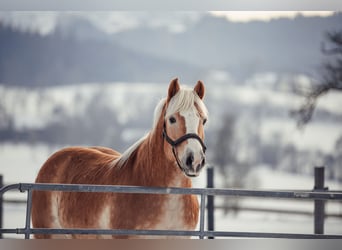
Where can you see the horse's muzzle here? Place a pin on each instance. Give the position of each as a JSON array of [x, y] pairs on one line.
[[192, 164]]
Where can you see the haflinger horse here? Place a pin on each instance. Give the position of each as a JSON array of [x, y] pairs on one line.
[[168, 156]]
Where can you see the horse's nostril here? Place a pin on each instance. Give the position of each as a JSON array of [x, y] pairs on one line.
[[190, 160], [203, 162]]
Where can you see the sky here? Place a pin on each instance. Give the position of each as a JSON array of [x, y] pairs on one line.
[[157, 5], [246, 16], [111, 22]]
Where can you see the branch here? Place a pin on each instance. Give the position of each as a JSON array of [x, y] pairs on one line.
[[331, 79], [330, 51], [335, 38], [304, 114]]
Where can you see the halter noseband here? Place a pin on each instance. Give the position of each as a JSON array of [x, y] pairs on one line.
[[175, 143]]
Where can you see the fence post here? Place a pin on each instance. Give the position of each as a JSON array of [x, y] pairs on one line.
[[319, 212], [1, 203], [210, 199]]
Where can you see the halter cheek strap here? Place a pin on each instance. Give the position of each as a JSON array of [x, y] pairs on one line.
[[175, 143]]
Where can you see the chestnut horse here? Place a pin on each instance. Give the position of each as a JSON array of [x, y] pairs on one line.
[[171, 153]]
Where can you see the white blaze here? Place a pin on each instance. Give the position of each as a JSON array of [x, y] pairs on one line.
[[191, 126]]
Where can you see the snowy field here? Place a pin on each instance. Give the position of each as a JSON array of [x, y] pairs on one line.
[[23, 165]]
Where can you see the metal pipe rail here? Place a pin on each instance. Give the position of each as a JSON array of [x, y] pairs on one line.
[[202, 192]]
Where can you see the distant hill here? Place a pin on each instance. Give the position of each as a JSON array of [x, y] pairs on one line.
[[281, 45], [59, 58], [77, 51]]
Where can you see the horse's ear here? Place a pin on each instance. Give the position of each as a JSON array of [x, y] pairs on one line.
[[173, 88], [200, 89]]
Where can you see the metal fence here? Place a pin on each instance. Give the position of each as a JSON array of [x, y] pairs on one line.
[[319, 195]]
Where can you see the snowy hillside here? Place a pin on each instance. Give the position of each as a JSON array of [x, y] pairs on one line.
[[262, 103]]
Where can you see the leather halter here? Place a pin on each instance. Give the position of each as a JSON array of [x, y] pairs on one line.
[[175, 143]]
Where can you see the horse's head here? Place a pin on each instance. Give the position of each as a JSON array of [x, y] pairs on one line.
[[183, 131]]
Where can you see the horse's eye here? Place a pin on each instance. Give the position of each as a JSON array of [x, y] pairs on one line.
[[172, 120], [204, 121]]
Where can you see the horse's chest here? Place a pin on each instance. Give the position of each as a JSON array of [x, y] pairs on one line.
[[175, 215]]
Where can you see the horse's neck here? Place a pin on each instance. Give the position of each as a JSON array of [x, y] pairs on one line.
[[150, 166], [158, 169]]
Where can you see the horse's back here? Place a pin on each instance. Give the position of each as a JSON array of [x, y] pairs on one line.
[[74, 165], [66, 164]]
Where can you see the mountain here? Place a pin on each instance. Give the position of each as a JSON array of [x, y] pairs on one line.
[[280, 45], [79, 51], [66, 57]]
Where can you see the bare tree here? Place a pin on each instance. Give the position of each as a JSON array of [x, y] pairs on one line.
[[338, 159], [224, 155], [233, 172], [330, 78]]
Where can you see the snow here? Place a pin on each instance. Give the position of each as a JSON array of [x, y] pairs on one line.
[[20, 163], [34, 108], [331, 101], [315, 136], [267, 179]]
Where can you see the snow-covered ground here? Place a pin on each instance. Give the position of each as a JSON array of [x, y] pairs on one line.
[[20, 163], [268, 179]]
